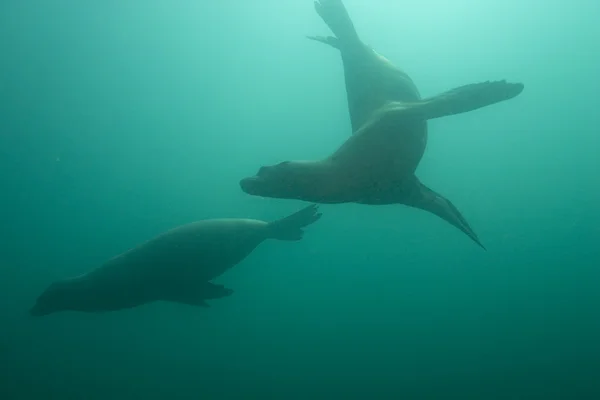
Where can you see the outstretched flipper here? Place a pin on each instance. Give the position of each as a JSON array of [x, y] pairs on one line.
[[437, 204], [459, 100]]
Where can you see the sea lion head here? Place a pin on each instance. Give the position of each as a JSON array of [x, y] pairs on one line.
[[286, 180]]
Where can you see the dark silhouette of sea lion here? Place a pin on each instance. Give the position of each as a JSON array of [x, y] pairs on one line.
[[377, 164], [176, 266]]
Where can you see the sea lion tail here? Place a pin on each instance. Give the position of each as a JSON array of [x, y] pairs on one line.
[[290, 227], [335, 15]]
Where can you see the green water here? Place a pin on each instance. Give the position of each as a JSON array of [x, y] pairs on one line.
[[119, 120]]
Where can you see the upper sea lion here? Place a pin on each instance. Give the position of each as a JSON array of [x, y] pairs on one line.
[[376, 165], [175, 266]]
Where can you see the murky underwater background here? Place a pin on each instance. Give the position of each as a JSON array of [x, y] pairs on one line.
[[119, 120]]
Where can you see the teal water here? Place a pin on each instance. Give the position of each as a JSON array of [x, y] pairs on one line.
[[120, 120]]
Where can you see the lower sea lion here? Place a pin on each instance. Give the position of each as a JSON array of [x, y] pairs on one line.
[[175, 266], [377, 164]]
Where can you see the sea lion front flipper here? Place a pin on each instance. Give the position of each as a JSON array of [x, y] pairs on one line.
[[196, 295], [460, 100], [428, 200], [185, 298]]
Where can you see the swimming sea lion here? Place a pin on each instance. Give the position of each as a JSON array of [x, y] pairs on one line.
[[377, 164], [175, 266]]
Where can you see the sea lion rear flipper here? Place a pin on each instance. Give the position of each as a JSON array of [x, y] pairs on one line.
[[335, 15], [290, 227], [461, 99], [329, 40]]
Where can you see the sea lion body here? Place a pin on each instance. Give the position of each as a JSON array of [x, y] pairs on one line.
[[175, 266], [361, 170], [199, 251], [377, 164]]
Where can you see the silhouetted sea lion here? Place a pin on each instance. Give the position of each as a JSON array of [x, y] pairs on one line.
[[377, 164], [175, 266]]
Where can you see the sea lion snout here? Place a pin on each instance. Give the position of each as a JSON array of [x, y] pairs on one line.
[[263, 181], [297, 179], [38, 311], [251, 185], [261, 186], [53, 299], [41, 307]]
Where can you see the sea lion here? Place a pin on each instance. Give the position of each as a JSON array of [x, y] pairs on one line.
[[175, 266], [377, 164]]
